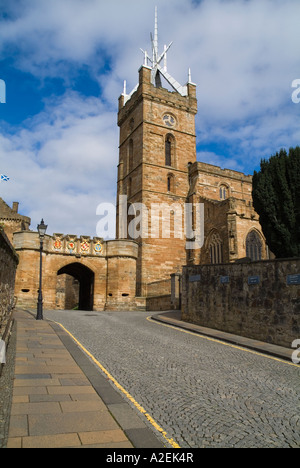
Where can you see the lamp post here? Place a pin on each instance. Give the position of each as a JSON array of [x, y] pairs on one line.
[[42, 231]]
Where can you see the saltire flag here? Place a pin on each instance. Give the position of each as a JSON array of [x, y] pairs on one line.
[[4, 178]]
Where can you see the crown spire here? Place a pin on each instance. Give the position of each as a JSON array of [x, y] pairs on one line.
[[158, 66], [157, 70]]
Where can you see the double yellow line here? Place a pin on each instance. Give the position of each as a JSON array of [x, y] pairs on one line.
[[156, 426], [122, 389], [216, 340]]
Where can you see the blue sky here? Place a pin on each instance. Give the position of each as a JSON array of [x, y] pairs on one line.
[[64, 63]]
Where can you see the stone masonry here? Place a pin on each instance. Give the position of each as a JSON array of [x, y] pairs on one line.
[[11, 221], [8, 265], [259, 300]]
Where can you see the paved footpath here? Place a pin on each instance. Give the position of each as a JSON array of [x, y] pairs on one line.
[[61, 400]]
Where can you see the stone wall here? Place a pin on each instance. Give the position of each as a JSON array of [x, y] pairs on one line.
[[8, 266], [259, 300], [159, 288], [164, 295], [159, 303]]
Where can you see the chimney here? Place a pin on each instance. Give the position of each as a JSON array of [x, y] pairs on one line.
[[15, 207]]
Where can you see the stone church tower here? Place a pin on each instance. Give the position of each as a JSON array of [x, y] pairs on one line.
[[159, 177], [157, 146]]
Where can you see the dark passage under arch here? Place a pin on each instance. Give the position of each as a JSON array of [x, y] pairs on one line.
[[85, 278]]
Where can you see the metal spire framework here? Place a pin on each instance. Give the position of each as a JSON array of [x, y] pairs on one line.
[[157, 69]]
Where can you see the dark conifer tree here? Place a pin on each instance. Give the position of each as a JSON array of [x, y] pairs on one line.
[[276, 199]]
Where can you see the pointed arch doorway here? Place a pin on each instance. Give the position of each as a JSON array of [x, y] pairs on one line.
[[75, 289]]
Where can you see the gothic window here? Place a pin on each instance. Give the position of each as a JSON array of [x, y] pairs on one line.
[[215, 249], [130, 156], [170, 183], [129, 187], [169, 150], [253, 246], [223, 192]]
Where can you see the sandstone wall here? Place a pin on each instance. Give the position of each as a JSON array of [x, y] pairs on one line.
[[8, 265], [259, 300]]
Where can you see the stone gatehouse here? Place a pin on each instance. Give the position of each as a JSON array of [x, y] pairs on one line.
[[104, 272]]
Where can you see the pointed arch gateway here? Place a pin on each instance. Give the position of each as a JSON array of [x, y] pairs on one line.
[[76, 287]]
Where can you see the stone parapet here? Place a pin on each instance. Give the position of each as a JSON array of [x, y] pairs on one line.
[[61, 244]]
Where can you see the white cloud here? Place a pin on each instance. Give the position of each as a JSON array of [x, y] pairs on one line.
[[64, 165]]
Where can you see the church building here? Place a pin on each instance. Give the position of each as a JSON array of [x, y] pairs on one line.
[[158, 169]]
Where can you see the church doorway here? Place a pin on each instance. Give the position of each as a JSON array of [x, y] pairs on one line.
[[75, 287]]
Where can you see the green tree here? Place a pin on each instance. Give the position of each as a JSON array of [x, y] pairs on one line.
[[276, 199]]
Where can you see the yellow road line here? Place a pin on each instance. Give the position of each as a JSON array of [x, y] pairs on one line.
[[215, 340], [122, 389]]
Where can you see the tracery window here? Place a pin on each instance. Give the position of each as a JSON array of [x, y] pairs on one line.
[[223, 192], [216, 249], [254, 246]]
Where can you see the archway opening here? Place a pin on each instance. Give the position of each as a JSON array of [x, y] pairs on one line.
[[75, 287]]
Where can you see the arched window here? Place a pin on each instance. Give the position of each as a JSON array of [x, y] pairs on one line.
[[169, 150], [170, 183], [215, 249], [223, 192], [130, 156], [254, 246], [129, 187]]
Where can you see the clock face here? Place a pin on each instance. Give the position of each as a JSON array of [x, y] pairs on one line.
[[169, 120]]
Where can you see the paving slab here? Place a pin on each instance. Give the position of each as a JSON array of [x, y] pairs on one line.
[[57, 396], [47, 411]]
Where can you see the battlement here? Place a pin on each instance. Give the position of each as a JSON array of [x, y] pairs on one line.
[[73, 245]]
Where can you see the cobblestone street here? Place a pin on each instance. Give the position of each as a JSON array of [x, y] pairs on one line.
[[203, 393]]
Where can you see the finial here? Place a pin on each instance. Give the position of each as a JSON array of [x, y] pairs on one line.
[[190, 76], [124, 89]]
